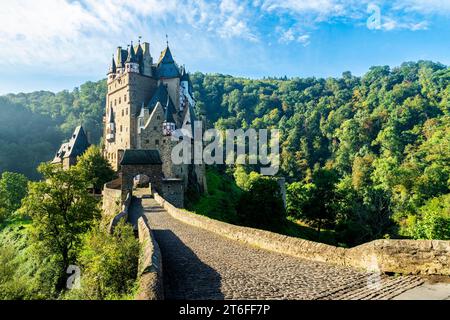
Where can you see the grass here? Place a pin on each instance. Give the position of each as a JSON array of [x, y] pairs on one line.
[[298, 229], [221, 200]]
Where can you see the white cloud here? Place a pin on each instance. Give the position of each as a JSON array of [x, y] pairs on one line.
[[73, 36], [304, 39], [424, 6], [290, 35], [395, 14], [325, 7]]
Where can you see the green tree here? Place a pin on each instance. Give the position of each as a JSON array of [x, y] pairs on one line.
[[94, 168], [315, 203], [13, 188], [262, 205], [433, 220], [61, 211]]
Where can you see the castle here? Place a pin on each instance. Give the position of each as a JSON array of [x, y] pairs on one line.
[[147, 105], [69, 152]]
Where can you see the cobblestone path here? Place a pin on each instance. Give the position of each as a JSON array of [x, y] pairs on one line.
[[198, 264]]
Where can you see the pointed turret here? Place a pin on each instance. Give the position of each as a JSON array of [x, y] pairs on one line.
[[110, 127], [169, 121], [132, 64], [112, 70], [166, 65], [112, 67], [131, 54]]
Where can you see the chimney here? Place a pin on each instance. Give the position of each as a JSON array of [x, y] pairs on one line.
[[146, 47], [119, 57]]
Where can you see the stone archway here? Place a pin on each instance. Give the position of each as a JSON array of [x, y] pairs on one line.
[[141, 162]]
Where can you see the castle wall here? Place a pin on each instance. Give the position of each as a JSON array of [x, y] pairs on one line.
[[153, 171], [125, 96], [111, 202], [173, 192]]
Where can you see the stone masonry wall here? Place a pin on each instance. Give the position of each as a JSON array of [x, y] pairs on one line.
[[398, 256], [150, 265], [112, 202]]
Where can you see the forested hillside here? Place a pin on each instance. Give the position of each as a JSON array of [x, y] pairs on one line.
[[366, 156], [33, 125]]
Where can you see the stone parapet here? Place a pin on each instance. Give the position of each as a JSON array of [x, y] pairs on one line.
[[150, 265], [386, 256]]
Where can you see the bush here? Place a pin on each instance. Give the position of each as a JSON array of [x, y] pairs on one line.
[[109, 264], [433, 221]]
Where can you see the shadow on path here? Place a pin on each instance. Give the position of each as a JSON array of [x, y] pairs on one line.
[[185, 275]]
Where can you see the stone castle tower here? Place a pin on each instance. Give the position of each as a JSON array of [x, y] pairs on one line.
[[146, 103]]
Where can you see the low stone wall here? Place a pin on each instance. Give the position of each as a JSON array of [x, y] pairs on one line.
[[122, 215], [150, 265], [111, 202], [431, 257], [398, 256]]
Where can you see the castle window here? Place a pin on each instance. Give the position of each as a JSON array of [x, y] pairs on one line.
[[157, 142], [125, 98], [120, 128], [115, 102], [147, 141], [155, 128], [123, 113], [120, 100], [157, 118], [126, 110]]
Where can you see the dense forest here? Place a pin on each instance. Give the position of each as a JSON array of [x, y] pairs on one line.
[[33, 125], [364, 157]]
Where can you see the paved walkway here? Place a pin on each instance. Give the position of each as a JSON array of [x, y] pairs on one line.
[[198, 264], [427, 291]]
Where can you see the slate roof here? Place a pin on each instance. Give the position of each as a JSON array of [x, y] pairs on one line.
[[166, 65], [112, 68], [76, 146], [161, 95], [140, 156], [168, 113], [110, 115], [131, 55]]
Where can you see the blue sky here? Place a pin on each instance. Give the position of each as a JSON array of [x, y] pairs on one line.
[[59, 44]]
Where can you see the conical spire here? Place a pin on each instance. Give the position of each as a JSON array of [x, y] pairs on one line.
[[131, 54], [166, 56], [112, 67], [166, 65], [168, 117]]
